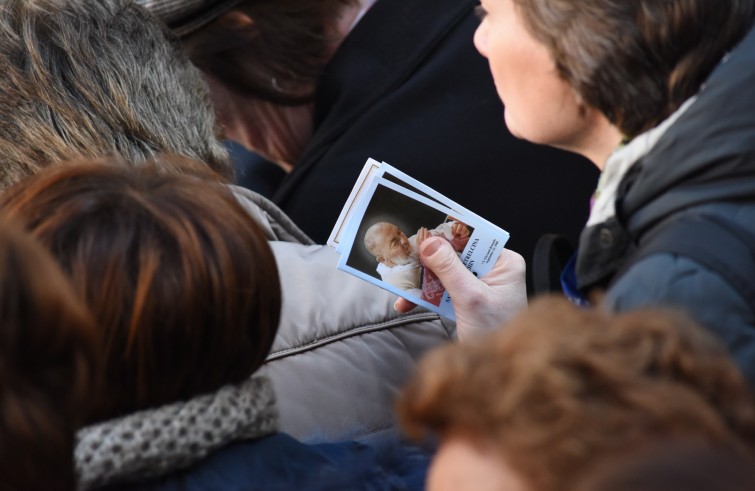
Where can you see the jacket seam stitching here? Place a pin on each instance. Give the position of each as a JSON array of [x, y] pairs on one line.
[[381, 326]]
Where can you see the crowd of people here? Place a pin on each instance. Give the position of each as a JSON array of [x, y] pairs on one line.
[[171, 321]]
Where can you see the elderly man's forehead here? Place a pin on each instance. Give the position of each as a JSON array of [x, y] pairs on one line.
[[390, 230]]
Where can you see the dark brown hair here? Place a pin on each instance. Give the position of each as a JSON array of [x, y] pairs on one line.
[[47, 366], [278, 57], [558, 387], [637, 61], [674, 465], [177, 274], [267, 56]]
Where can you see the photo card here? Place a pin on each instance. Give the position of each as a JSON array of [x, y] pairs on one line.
[[376, 170], [383, 224]]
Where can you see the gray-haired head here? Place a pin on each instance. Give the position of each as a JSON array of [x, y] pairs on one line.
[[185, 16], [94, 79]]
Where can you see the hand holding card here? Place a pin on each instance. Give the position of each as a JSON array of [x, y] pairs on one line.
[[479, 304], [390, 218]]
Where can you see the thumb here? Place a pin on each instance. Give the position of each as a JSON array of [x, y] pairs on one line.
[[439, 256]]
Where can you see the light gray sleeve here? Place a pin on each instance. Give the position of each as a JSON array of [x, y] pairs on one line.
[[342, 352], [275, 224]]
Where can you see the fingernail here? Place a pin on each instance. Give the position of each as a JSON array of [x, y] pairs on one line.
[[431, 247], [395, 305]]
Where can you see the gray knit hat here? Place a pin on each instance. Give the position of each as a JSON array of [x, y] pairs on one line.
[[185, 16]]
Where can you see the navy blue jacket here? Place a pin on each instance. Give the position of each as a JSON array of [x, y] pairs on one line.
[[704, 164], [281, 463]]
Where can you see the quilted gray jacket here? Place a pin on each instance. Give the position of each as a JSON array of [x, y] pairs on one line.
[[342, 352]]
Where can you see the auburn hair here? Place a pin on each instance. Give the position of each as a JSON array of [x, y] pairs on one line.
[[178, 276], [559, 387]]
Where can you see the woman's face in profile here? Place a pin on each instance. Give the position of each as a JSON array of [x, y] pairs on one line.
[[539, 105]]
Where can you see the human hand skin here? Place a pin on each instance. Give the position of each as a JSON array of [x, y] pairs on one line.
[[422, 234], [480, 304]]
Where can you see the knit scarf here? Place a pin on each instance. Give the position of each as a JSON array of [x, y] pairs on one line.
[[159, 441]]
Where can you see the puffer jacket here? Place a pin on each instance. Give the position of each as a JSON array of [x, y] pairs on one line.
[[342, 352], [699, 162]]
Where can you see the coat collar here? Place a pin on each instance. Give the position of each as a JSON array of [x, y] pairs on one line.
[[705, 153], [623, 159]]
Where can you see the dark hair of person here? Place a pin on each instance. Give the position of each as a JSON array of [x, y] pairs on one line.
[[178, 276], [278, 57], [559, 387], [47, 366], [674, 465], [637, 61], [97, 79]]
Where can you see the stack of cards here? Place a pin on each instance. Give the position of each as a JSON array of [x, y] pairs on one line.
[[386, 218]]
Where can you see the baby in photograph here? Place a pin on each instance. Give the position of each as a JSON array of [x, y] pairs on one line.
[[398, 256]]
